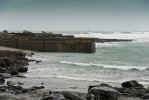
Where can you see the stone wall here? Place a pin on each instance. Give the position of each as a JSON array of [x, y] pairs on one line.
[[86, 45]]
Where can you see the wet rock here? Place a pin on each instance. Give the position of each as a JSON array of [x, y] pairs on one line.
[[103, 92], [2, 69], [20, 83], [14, 72], [100, 85], [2, 80], [13, 62], [23, 69], [146, 96], [134, 91], [38, 61], [131, 84], [54, 96], [5, 75], [7, 97], [37, 87], [70, 96], [127, 97], [11, 83]]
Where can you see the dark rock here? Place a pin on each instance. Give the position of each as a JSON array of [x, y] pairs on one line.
[[37, 87], [13, 62], [100, 85], [23, 69], [131, 84], [2, 80], [146, 96], [2, 69], [14, 72], [48, 98], [38, 61], [137, 92], [104, 92], [71, 96], [7, 97], [54, 96]]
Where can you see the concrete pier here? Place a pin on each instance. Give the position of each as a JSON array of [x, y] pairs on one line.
[[62, 44]]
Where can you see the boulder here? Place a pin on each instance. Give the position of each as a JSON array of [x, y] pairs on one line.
[[103, 92], [70, 96], [131, 84]]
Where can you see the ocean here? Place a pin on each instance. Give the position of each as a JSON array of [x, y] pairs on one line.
[[113, 62]]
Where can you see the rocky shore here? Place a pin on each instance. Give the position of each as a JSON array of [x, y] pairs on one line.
[[14, 63]]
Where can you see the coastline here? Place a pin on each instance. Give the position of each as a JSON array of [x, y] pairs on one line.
[[18, 87], [59, 84]]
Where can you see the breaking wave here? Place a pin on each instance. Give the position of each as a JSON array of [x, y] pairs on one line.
[[103, 66], [136, 36]]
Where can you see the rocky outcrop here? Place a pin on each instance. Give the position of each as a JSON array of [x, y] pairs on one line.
[[102, 92], [12, 62], [130, 90], [131, 84]]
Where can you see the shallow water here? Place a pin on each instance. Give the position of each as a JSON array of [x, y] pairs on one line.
[[112, 62]]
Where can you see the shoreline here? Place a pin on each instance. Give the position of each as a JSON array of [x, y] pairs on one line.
[[18, 87]]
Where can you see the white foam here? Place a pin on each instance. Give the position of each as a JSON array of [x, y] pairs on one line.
[[138, 36], [107, 44], [105, 66]]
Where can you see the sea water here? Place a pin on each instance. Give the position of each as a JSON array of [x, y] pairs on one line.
[[112, 62]]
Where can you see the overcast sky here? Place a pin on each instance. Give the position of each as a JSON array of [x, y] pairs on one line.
[[104, 15]]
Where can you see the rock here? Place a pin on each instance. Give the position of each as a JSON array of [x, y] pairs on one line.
[[137, 92], [14, 72], [2, 69], [71, 96], [38, 61], [103, 93], [20, 83], [13, 62], [100, 85], [37, 87], [7, 97], [146, 96], [11, 83], [131, 84], [2, 80], [127, 97], [54, 96], [5, 75], [23, 69]]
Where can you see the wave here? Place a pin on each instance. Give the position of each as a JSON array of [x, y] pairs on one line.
[[137, 36], [111, 44], [144, 81], [104, 66]]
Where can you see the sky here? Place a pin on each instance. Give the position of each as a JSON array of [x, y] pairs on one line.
[[75, 15]]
